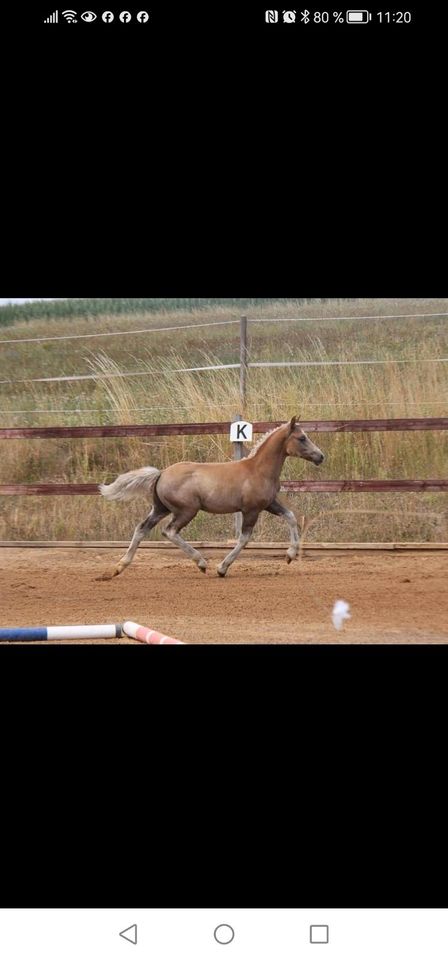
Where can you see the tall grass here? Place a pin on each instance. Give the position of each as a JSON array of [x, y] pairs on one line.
[[322, 392]]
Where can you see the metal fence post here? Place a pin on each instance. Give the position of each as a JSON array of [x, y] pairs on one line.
[[244, 361], [238, 455]]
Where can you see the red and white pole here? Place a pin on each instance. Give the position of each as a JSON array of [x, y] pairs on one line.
[[145, 634]]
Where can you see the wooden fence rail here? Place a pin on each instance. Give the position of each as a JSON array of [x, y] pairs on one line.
[[261, 426], [288, 486], [198, 429]]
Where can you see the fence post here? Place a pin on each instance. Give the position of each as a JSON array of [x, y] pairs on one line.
[[238, 455], [238, 447], [244, 360]]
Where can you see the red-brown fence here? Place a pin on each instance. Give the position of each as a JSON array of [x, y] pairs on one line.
[[196, 429], [301, 486]]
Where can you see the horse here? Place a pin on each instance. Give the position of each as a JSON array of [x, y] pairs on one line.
[[247, 486]]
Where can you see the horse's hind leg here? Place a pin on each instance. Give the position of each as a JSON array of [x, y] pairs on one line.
[[249, 521], [279, 510], [171, 531], [158, 512]]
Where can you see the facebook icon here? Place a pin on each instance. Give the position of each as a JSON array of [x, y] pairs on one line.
[[108, 16]]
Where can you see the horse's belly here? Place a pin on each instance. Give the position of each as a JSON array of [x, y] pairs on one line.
[[220, 497], [219, 500]]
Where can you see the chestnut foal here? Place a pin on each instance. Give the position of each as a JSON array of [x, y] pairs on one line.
[[249, 485]]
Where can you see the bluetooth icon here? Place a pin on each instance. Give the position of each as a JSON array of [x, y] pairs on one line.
[[305, 15]]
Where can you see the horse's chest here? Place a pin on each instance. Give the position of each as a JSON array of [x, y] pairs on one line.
[[264, 493]]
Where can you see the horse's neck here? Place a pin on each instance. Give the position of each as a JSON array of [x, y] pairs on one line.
[[271, 455]]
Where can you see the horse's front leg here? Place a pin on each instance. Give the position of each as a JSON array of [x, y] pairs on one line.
[[279, 510], [249, 521]]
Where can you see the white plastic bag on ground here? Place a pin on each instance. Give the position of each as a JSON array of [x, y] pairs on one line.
[[340, 613]]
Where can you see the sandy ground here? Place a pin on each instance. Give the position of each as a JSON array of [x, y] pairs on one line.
[[393, 598]]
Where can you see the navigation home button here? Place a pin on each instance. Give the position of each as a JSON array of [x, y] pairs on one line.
[[130, 933], [224, 933]]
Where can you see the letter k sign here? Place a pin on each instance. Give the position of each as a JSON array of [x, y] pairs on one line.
[[240, 430]]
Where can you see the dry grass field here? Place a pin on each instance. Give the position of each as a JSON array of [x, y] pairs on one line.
[[330, 331]]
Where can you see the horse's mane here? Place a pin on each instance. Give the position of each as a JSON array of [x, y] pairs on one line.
[[262, 440]]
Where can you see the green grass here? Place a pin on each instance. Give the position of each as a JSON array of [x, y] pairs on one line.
[[91, 308]]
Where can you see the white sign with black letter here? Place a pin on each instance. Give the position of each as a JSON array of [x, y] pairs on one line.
[[240, 430]]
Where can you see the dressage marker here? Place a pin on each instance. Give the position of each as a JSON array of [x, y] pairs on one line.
[[97, 631]]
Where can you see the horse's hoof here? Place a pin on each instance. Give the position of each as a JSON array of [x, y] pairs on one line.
[[109, 576], [221, 573], [202, 566]]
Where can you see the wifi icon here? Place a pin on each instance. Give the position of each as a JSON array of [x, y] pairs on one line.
[[70, 16]]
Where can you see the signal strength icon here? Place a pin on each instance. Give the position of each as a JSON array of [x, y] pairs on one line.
[[70, 16], [53, 18]]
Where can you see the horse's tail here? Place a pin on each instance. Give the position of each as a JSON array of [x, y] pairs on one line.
[[133, 484]]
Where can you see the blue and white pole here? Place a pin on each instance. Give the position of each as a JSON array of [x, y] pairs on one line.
[[98, 631]]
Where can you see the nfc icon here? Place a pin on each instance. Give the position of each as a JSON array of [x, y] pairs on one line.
[[271, 16]]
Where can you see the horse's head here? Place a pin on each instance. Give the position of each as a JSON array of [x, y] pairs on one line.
[[299, 445]]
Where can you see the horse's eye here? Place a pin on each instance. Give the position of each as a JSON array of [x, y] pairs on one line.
[[302, 439]]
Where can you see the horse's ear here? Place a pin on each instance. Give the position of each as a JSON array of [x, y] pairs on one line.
[[292, 424]]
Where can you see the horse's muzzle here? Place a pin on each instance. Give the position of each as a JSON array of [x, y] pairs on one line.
[[319, 460]]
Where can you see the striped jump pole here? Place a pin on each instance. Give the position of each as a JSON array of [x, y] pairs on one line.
[[145, 635], [97, 631]]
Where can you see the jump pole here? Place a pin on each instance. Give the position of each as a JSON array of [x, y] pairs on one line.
[[97, 631], [145, 635]]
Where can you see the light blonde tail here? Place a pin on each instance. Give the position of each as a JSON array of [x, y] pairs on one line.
[[133, 484]]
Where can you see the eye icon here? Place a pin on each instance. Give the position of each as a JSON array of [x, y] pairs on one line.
[[88, 16]]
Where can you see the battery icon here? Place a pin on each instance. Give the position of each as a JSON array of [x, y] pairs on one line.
[[358, 16]]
